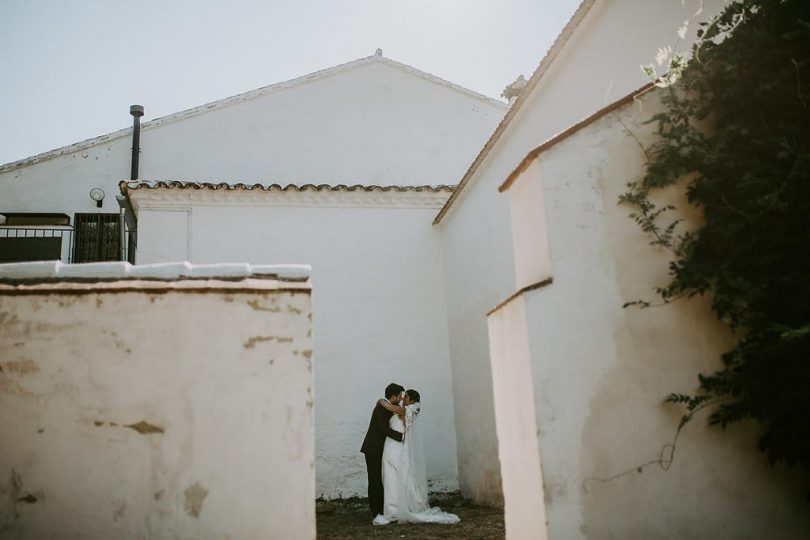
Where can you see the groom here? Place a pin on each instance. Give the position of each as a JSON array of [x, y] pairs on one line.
[[372, 447]]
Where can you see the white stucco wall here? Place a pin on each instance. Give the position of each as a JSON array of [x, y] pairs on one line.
[[372, 121], [374, 124], [599, 64], [379, 309], [477, 251], [528, 211], [148, 411], [516, 422], [601, 372]]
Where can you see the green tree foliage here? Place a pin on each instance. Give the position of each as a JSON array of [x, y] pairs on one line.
[[735, 135]]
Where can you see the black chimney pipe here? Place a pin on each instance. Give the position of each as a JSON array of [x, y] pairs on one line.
[[136, 111]]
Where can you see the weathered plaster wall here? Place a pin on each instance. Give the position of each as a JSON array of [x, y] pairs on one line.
[[601, 372], [599, 64], [379, 305], [157, 414], [374, 123]]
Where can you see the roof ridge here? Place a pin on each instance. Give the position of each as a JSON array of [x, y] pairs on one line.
[[440, 81], [239, 98], [548, 59], [185, 113]]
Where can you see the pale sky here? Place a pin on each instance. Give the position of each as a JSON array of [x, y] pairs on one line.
[[71, 69]]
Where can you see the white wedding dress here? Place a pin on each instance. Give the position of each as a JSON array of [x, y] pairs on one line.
[[404, 476]]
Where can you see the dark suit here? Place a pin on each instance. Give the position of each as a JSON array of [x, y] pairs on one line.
[[372, 447]]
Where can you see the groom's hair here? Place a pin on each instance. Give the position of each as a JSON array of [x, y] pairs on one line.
[[413, 394], [393, 389]]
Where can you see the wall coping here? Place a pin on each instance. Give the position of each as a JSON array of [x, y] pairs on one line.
[[55, 272]]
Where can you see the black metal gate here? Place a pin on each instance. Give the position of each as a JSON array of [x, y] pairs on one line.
[[97, 237]]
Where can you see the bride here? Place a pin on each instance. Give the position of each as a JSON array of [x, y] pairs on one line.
[[403, 468]]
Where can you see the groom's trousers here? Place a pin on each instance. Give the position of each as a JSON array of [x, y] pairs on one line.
[[375, 485]]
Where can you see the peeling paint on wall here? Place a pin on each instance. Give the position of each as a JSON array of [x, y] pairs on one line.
[[144, 428], [22, 367], [255, 305], [250, 343], [124, 430], [195, 496]]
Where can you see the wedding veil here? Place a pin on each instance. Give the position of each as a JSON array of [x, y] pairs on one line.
[[413, 486], [416, 487]]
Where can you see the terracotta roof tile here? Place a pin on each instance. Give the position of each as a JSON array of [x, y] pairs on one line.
[[128, 185]]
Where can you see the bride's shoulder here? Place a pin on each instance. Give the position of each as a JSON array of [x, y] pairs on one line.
[[414, 407]]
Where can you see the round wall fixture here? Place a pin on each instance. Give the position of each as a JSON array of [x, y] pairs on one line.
[[97, 194]]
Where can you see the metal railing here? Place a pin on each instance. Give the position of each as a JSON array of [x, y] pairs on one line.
[[49, 243], [36, 243]]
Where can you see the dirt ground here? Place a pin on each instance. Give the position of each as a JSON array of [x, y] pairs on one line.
[[349, 518]]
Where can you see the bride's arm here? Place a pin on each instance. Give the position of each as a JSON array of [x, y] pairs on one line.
[[396, 409]]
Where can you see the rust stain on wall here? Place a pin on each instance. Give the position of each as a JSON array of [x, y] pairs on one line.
[[249, 344], [144, 428], [256, 306], [195, 496], [23, 367], [16, 494]]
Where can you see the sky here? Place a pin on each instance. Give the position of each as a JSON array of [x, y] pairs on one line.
[[70, 70]]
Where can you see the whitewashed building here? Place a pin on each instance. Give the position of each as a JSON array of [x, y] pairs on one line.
[[579, 381], [372, 121], [504, 309], [318, 148]]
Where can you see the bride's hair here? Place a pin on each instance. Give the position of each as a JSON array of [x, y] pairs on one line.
[[413, 394]]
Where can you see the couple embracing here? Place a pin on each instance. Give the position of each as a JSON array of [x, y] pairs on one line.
[[395, 461]]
